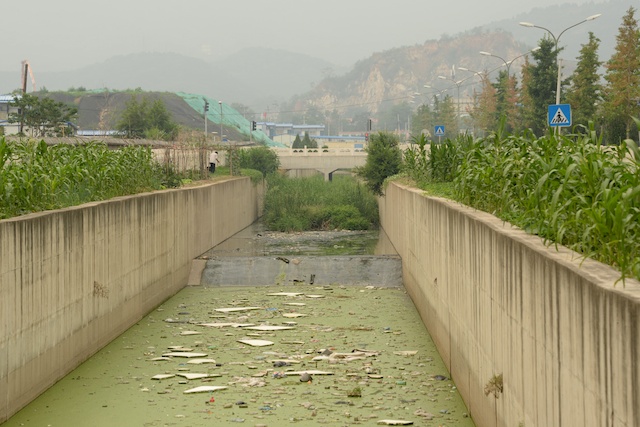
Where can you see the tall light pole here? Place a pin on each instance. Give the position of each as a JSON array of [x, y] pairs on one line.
[[457, 83], [508, 63], [556, 40]]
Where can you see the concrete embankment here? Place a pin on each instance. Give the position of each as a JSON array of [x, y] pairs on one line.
[[71, 280], [381, 271], [532, 335]]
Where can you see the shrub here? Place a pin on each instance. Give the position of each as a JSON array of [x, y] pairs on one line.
[[384, 159]]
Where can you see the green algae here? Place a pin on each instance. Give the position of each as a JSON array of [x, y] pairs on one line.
[[115, 387]]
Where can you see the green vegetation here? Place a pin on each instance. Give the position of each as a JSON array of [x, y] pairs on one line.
[[36, 177], [145, 120], [314, 204], [262, 159], [384, 159], [304, 142], [43, 116], [569, 190]]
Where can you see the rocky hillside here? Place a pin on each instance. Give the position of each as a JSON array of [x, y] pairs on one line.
[[397, 74]]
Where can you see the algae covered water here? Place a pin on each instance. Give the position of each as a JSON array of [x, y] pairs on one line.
[[262, 356]]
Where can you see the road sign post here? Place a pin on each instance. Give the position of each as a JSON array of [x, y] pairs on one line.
[[559, 115], [439, 132]]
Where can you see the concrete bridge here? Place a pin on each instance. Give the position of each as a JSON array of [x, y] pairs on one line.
[[326, 161]]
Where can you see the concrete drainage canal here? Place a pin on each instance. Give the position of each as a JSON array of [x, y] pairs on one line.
[[275, 329]]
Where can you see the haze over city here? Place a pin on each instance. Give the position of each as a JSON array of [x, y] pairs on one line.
[[67, 34]]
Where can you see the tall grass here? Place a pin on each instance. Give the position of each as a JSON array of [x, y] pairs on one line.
[[36, 177], [314, 204], [570, 190]]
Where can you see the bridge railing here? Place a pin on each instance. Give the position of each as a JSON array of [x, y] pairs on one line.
[[320, 152]]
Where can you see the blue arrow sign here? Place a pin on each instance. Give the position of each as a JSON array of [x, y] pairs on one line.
[[559, 115], [439, 130]]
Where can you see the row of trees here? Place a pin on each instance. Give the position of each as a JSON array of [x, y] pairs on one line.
[[610, 105], [41, 116]]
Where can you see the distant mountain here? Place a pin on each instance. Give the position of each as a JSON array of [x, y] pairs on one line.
[[398, 75], [255, 77]]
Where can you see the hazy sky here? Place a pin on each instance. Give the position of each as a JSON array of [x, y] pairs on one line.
[[67, 34]]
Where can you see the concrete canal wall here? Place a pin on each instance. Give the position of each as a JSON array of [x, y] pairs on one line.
[[532, 336], [71, 280]]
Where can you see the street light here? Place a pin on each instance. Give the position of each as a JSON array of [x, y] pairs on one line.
[[508, 63], [457, 83], [556, 40]]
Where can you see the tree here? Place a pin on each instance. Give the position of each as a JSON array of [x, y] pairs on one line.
[[446, 115], [484, 111], [525, 112], [622, 91], [263, 159], [542, 86], [297, 143], [384, 159], [43, 116], [585, 91], [422, 120], [308, 142], [139, 120]]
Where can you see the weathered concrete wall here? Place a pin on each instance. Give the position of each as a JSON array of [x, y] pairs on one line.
[[71, 280], [496, 301], [371, 270]]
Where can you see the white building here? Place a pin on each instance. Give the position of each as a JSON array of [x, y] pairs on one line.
[[6, 109]]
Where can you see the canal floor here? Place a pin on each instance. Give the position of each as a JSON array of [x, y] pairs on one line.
[[262, 356]]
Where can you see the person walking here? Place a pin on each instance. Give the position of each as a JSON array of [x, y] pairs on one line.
[[213, 161]]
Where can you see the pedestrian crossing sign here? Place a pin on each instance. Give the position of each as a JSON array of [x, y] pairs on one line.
[[439, 130], [559, 115]]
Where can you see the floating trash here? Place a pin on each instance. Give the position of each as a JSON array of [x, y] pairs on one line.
[[256, 343], [205, 388], [200, 361], [233, 309], [395, 422], [162, 376], [269, 328], [406, 353], [184, 354], [284, 294], [226, 324]]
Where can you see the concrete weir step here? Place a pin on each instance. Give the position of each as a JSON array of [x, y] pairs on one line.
[[383, 271]]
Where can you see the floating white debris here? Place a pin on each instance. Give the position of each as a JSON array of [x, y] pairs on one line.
[[256, 343], [298, 304], [193, 376], [314, 296], [375, 376], [284, 361], [232, 309], [293, 315], [226, 324], [311, 372], [395, 422], [179, 348], [162, 376], [285, 294], [184, 354], [406, 353], [200, 361], [190, 333], [269, 328], [204, 389], [161, 359]]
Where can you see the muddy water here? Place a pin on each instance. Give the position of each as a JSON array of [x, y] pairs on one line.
[[374, 358]]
